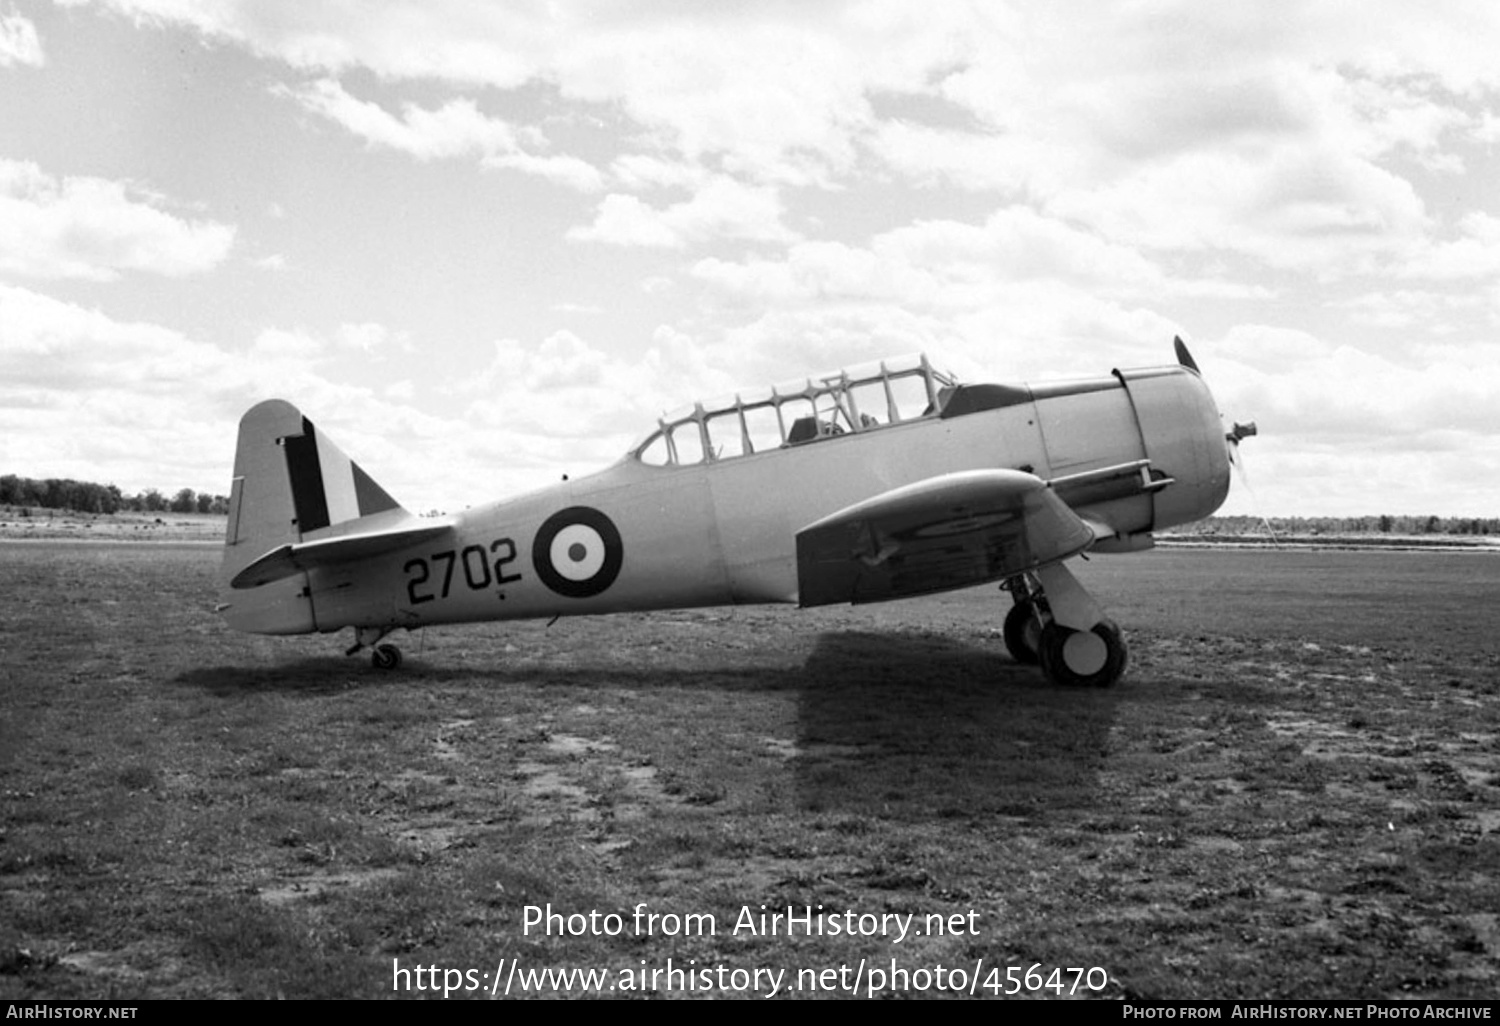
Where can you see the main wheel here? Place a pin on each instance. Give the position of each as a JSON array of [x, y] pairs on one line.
[[1023, 632], [385, 657], [1093, 659]]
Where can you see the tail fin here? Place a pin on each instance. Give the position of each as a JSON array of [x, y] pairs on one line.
[[291, 483]]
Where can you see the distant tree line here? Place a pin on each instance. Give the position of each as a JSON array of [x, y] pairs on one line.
[[87, 497], [1386, 524]]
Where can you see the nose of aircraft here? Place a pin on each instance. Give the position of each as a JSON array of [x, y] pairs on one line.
[[1236, 434], [1184, 438]]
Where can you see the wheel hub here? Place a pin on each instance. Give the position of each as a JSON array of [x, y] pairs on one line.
[[1085, 653]]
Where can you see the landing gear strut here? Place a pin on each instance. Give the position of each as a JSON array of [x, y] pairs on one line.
[[382, 657], [1023, 628], [1057, 624]]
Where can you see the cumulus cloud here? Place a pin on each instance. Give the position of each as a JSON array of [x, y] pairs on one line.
[[308, 347], [954, 268], [1473, 254], [1261, 132], [1041, 190], [93, 228], [1268, 134], [19, 43], [720, 208], [280, 343], [567, 402], [463, 40], [81, 390], [52, 344], [1344, 428], [1412, 399], [1004, 162], [456, 129], [778, 94], [1293, 208]]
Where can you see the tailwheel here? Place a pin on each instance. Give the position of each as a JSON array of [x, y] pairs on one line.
[[385, 657], [1093, 658], [1023, 631]]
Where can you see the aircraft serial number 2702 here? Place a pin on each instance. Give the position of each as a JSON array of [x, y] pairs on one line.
[[423, 584], [876, 483]]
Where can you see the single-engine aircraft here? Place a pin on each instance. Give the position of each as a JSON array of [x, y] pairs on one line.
[[875, 483]]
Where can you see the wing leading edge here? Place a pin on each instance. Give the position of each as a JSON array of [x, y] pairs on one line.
[[950, 531]]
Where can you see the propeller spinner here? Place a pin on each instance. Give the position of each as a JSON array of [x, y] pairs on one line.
[[1234, 437]]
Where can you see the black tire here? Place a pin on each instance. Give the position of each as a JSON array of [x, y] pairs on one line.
[[1095, 671], [1023, 632], [385, 657]]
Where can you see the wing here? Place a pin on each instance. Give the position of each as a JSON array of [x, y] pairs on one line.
[[950, 531], [286, 560]]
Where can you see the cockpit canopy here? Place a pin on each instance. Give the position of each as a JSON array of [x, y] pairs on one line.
[[869, 397]]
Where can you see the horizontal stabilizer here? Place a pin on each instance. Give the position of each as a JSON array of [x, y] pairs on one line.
[[287, 560], [950, 531]]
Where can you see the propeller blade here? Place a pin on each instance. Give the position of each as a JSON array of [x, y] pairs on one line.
[[1237, 461], [1232, 440], [1183, 356]]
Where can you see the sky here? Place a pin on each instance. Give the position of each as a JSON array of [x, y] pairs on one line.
[[485, 244]]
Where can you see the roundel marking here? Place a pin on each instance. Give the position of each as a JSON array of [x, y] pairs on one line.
[[578, 552]]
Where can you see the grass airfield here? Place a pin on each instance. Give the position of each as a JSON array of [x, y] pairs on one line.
[[1295, 792]]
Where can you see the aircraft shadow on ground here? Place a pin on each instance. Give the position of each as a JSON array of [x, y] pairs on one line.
[[914, 726], [316, 675], [895, 724]]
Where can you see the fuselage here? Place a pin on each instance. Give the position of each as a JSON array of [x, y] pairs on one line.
[[718, 531]]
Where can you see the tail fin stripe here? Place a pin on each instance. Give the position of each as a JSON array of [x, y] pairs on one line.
[[338, 482], [306, 473], [370, 497]]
